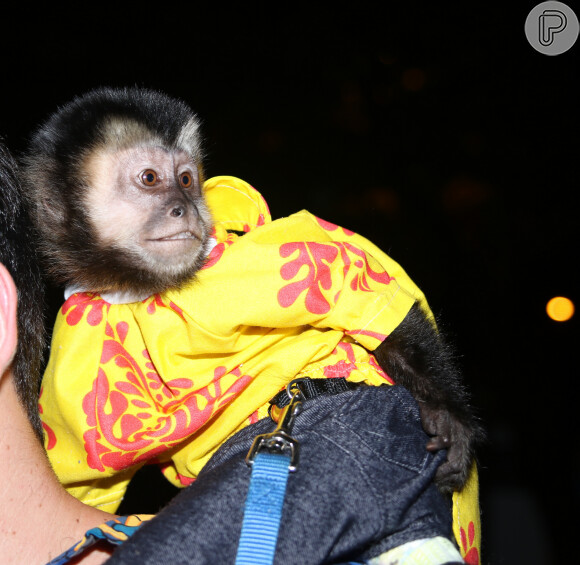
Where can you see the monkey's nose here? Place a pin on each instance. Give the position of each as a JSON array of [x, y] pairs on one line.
[[177, 212]]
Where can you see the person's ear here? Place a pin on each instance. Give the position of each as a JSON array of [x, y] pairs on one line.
[[8, 327]]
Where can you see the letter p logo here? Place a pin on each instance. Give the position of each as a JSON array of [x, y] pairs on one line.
[[552, 28], [551, 22]]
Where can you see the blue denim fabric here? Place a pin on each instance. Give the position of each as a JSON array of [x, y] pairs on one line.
[[363, 486]]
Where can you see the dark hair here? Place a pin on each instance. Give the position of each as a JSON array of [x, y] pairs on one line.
[[18, 255]]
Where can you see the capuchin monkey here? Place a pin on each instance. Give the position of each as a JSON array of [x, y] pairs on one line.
[[114, 181]]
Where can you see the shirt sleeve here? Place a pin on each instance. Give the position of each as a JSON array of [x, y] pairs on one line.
[[301, 271]]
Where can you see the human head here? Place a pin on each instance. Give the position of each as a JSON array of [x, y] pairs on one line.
[[18, 255]]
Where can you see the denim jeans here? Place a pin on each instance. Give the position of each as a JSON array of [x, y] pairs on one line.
[[363, 486]]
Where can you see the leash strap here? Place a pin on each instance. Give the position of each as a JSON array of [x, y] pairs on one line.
[[272, 456], [311, 388], [263, 511]]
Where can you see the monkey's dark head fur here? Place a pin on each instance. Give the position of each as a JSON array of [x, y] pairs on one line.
[[131, 127]]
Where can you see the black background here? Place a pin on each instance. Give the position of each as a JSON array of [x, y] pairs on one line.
[[435, 130]]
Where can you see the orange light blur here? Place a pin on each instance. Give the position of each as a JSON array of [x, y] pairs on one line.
[[560, 308]]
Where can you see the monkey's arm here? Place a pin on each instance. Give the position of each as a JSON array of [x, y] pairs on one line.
[[417, 357]]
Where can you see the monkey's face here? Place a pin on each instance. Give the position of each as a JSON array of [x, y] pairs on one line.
[[147, 204]]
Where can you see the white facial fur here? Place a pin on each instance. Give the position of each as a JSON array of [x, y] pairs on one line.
[[165, 224]]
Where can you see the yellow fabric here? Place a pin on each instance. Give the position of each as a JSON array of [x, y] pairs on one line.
[[235, 205], [466, 519], [170, 378]]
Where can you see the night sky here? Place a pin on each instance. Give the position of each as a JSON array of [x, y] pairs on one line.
[[435, 130]]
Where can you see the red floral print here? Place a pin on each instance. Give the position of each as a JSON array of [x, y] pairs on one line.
[[342, 368], [217, 252], [135, 419], [185, 481], [316, 257], [378, 369], [319, 259], [380, 337], [328, 226], [471, 554], [360, 282], [74, 308], [156, 301]]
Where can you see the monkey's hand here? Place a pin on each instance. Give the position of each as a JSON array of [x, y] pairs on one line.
[[417, 357], [448, 432]]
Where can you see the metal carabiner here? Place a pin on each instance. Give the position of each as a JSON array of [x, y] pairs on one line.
[[280, 441]]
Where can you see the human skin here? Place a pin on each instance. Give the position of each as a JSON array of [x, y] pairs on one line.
[[38, 518]]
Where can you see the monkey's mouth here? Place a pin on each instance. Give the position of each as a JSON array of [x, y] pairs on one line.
[[180, 235]]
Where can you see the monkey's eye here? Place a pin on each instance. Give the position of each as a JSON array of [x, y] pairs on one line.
[[185, 180], [149, 177]]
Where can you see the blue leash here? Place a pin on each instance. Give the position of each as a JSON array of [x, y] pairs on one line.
[[263, 510], [272, 457]]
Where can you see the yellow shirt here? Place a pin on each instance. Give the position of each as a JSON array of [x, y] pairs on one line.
[[171, 377]]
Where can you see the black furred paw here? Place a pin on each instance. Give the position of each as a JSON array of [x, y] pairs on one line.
[[459, 438]]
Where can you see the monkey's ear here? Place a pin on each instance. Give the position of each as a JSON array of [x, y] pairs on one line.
[[8, 332]]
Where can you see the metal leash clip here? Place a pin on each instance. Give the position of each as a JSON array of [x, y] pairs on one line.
[[280, 441]]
